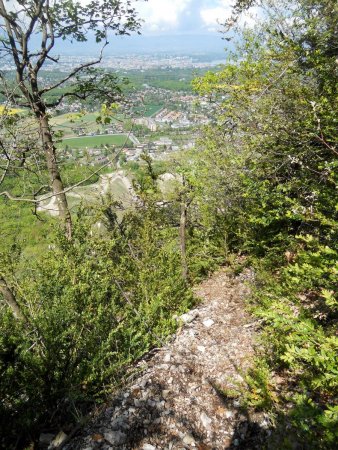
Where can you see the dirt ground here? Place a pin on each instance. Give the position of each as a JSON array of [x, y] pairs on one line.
[[177, 400]]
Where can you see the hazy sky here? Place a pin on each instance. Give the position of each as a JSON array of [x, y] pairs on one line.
[[183, 16], [165, 18], [179, 16]]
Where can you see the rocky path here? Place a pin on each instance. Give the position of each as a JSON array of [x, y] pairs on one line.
[[176, 402]]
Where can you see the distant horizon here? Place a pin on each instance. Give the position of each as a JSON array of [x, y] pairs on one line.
[[180, 44], [202, 48]]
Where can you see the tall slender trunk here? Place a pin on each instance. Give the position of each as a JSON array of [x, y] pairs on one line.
[[183, 224], [54, 173], [10, 299]]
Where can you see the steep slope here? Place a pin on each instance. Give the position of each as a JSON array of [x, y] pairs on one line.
[[176, 400]]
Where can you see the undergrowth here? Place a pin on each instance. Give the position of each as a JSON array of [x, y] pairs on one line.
[[295, 378]]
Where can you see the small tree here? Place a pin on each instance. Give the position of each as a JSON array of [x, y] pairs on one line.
[[22, 23]]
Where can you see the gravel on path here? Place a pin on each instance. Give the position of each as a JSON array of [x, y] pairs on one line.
[[176, 401]]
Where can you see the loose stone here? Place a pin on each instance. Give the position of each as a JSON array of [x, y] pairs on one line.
[[206, 421], [188, 440], [148, 447], [208, 323]]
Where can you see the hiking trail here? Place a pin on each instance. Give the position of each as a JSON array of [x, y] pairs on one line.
[[176, 401]]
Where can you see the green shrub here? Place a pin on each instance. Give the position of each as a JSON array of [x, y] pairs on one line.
[[93, 306]]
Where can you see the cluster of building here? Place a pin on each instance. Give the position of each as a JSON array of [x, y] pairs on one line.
[[175, 119], [159, 149], [146, 122], [146, 62]]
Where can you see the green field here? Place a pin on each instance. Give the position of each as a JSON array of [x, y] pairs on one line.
[[95, 141], [71, 123], [151, 110], [147, 110]]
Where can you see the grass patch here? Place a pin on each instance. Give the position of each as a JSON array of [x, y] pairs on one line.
[[95, 141], [148, 110]]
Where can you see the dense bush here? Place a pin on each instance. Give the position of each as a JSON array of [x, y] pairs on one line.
[[92, 306], [269, 172]]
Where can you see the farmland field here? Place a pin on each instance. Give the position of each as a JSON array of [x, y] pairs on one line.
[[95, 141], [72, 123], [151, 109], [147, 110]]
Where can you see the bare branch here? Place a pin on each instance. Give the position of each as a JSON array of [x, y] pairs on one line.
[[10, 299], [326, 144], [74, 72], [70, 188]]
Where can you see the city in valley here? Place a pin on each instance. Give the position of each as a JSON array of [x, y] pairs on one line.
[[159, 114]]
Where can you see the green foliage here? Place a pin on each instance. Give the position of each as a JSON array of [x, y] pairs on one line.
[[299, 335], [268, 170], [175, 79], [261, 181], [21, 224], [93, 305], [72, 175], [261, 393]]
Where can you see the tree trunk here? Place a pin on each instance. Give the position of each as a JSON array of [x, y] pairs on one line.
[[55, 177], [183, 223], [11, 300]]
